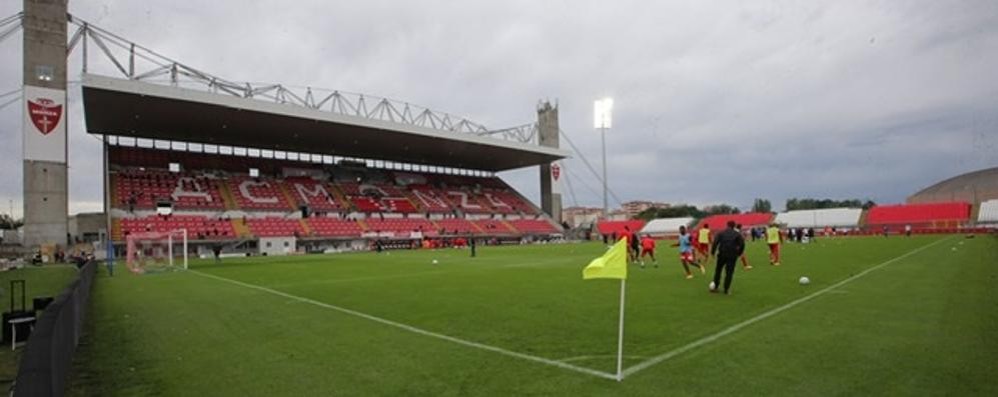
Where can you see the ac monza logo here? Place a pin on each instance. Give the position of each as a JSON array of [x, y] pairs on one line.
[[45, 114], [555, 171]]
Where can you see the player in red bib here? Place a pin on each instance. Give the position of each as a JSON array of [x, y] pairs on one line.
[[648, 248], [632, 245]]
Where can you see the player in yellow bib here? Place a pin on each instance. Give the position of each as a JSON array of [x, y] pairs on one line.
[[703, 241], [774, 238]]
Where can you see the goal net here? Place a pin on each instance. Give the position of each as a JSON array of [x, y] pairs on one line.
[[156, 251]]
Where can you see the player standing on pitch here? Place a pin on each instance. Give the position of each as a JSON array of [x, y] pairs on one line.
[[745, 265], [703, 241], [685, 245], [728, 246], [632, 244], [648, 248], [773, 239]]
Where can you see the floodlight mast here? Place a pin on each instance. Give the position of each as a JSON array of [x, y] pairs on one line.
[[603, 120]]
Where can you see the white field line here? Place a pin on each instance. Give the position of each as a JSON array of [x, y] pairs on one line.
[[596, 356], [734, 328], [415, 330]]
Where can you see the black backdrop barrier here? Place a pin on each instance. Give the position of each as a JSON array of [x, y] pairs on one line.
[[48, 356]]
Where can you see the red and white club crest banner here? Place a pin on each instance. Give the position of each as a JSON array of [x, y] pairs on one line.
[[44, 124], [557, 173]]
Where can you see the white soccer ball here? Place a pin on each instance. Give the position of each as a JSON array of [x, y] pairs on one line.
[[804, 280], [435, 262], [712, 286]]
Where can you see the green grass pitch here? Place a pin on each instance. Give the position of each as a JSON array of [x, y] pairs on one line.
[[924, 321]]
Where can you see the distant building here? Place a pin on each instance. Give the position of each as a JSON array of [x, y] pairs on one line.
[[618, 215], [576, 216], [633, 208]]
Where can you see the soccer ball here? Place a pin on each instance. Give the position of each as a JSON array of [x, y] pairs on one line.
[[435, 262], [712, 286], [804, 280]]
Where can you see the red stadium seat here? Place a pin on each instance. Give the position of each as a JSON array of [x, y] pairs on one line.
[[457, 226], [611, 227], [275, 227], [401, 226], [534, 226], [747, 220], [198, 227], [492, 226], [918, 213], [318, 196], [258, 193], [334, 227]]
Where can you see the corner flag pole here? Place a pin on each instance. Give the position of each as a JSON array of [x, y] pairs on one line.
[[620, 338]]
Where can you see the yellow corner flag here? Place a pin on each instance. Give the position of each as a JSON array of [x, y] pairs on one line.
[[613, 264]]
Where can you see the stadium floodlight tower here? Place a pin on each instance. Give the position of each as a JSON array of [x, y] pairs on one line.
[[46, 181], [603, 120]]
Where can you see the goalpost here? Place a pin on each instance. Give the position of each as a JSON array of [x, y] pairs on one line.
[[156, 251]]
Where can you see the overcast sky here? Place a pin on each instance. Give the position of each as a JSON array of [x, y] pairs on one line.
[[715, 102]]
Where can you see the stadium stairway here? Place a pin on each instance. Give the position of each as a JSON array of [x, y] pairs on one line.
[[862, 218], [227, 198], [415, 202], [342, 198], [305, 227], [345, 202], [241, 229], [116, 234], [436, 226], [292, 201], [509, 226], [975, 211], [112, 187], [363, 225]]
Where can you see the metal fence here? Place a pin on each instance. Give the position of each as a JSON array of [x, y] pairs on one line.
[[48, 356]]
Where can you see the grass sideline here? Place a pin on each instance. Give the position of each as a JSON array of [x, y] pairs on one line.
[[922, 324], [47, 280]]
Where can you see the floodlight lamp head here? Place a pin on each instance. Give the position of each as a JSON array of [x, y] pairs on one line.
[[603, 113]]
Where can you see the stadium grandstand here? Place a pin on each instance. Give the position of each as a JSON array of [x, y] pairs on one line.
[[830, 217], [617, 228], [242, 162], [748, 220], [988, 213], [948, 215], [226, 198], [665, 227]]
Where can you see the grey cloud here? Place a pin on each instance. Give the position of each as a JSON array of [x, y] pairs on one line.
[[716, 101]]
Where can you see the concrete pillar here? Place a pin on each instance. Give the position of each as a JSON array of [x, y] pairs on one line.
[[551, 174], [46, 183]]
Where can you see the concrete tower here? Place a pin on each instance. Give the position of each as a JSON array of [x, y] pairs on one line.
[[551, 174], [46, 200]]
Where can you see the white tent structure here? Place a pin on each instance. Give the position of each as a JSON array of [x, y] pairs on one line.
[[833, 217], [665, 226]]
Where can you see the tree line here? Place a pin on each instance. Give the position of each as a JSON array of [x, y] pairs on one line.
[[816, 204], [684, 210], [759, 205]]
